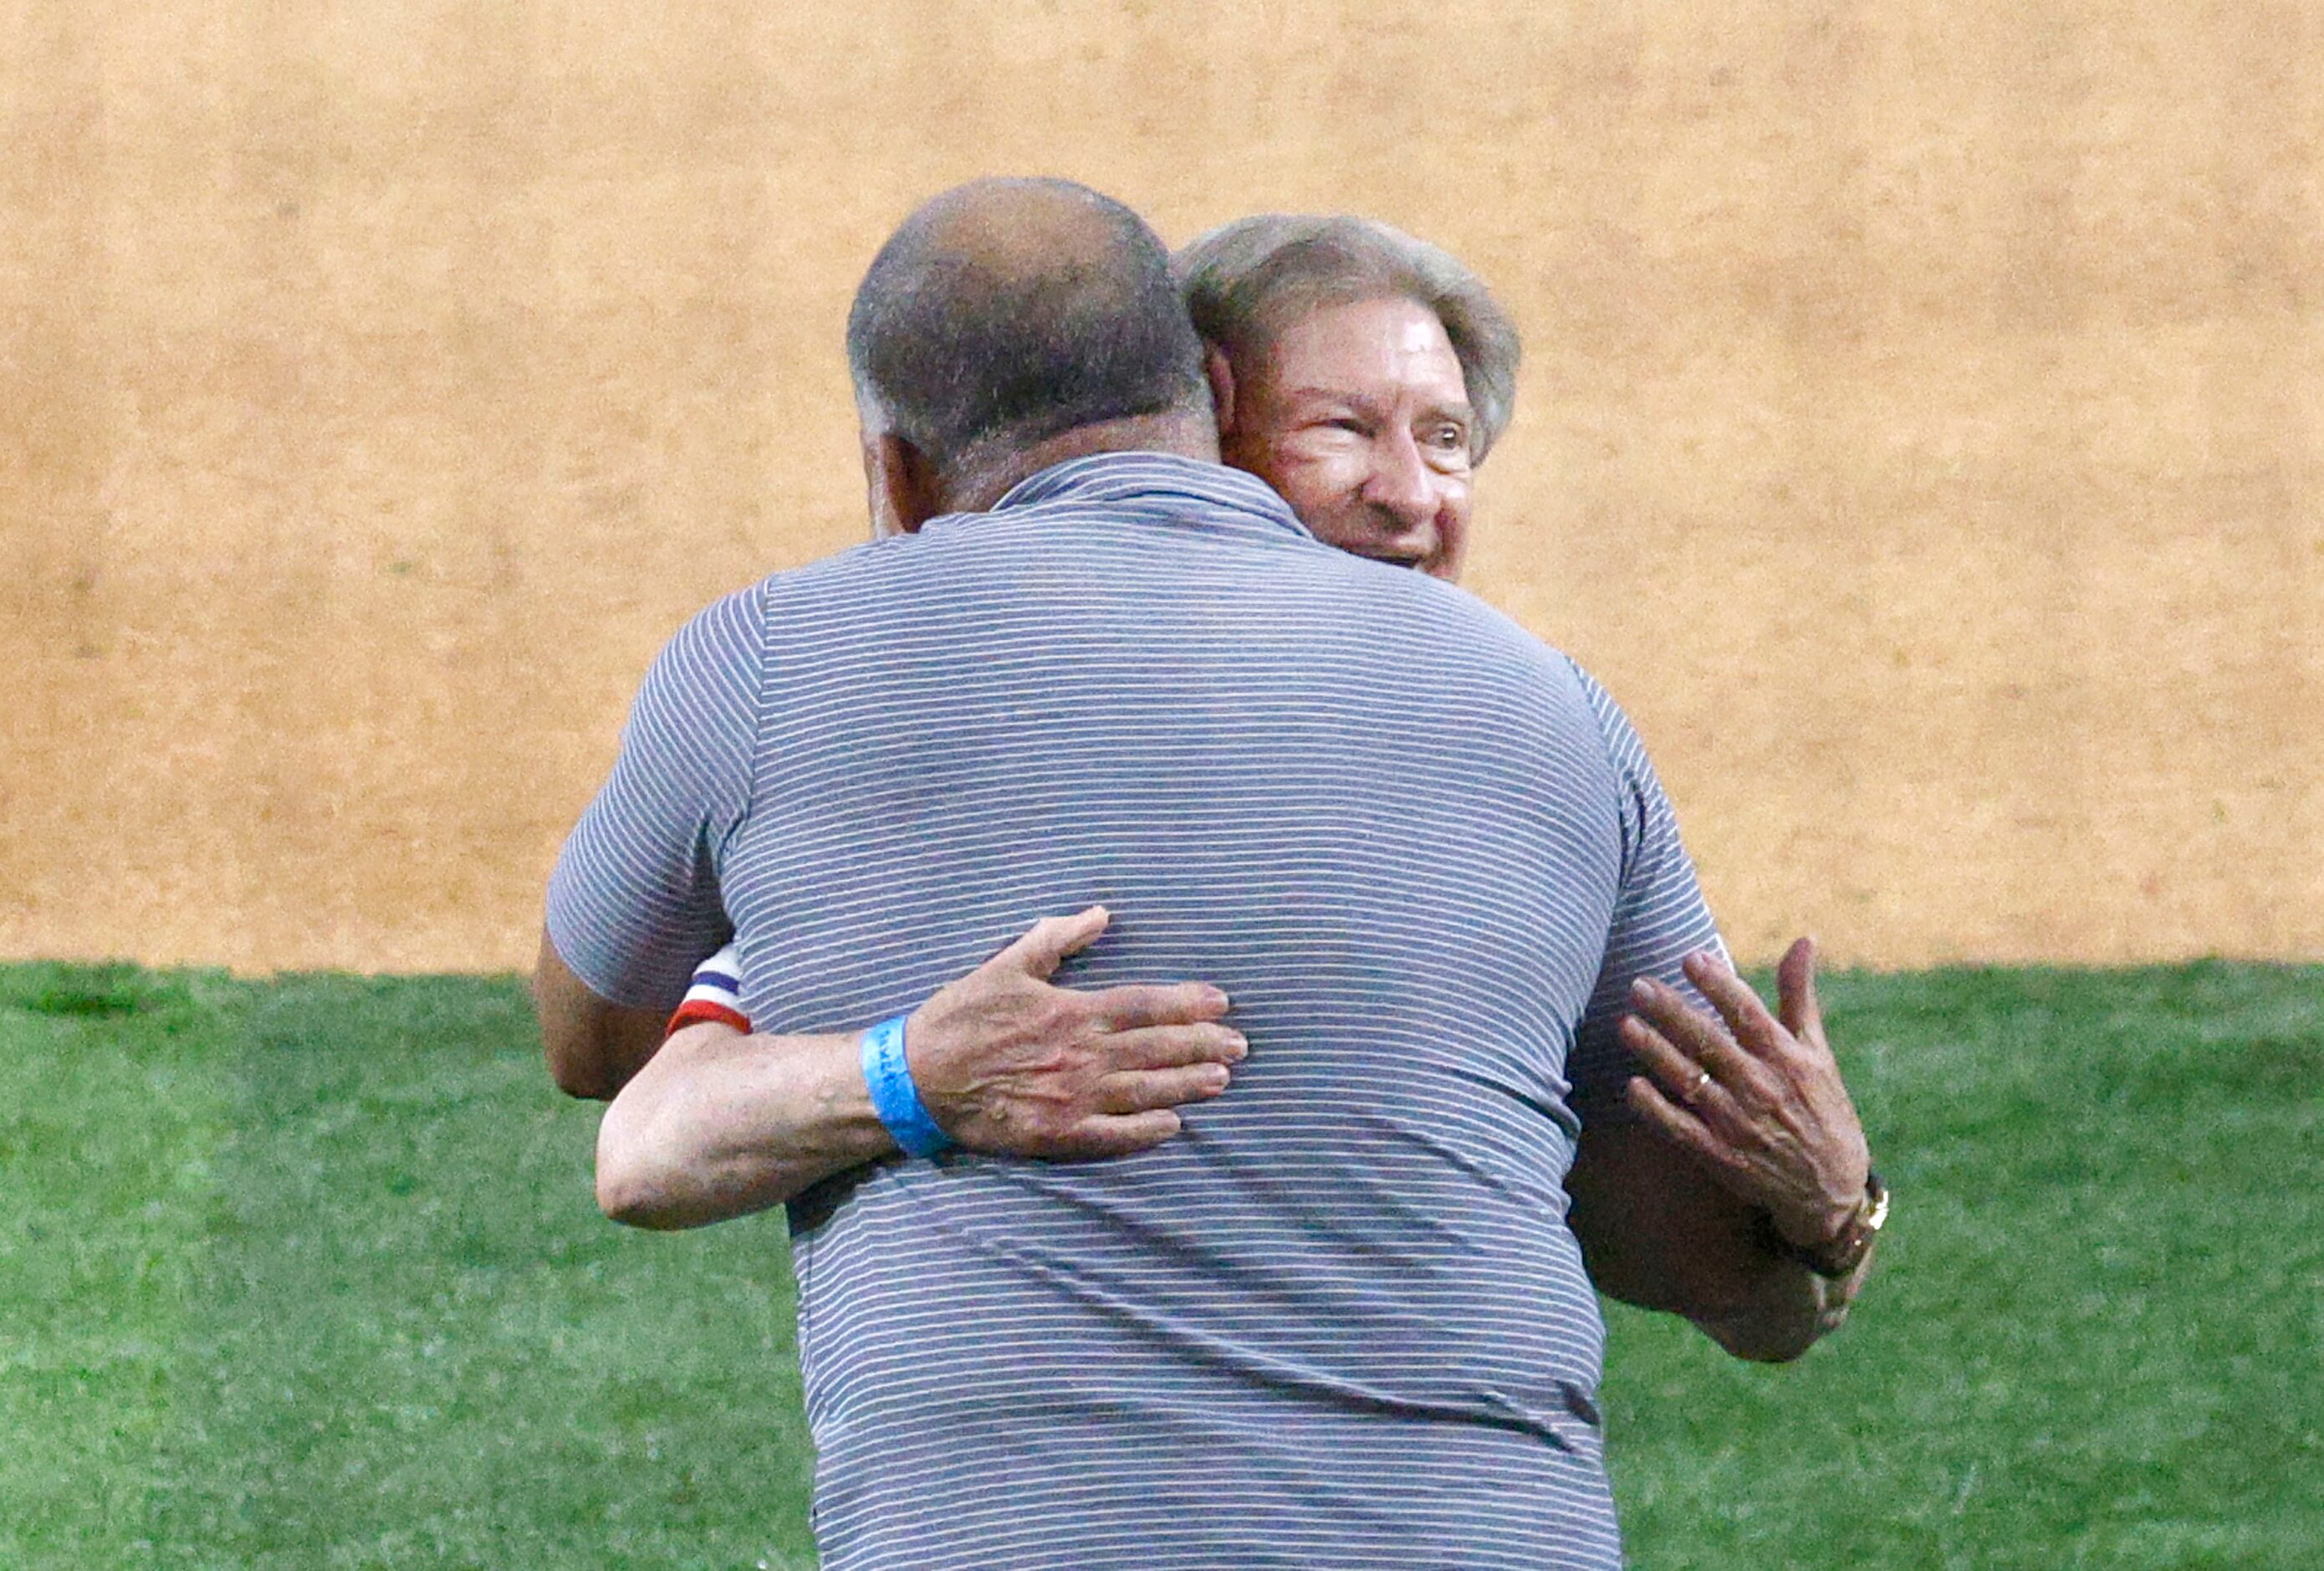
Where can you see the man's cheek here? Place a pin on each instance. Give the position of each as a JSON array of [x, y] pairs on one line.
[[1317, 494], [1452, 545], [1329, 529]]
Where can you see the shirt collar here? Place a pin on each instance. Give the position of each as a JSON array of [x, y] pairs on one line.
[[1153, 478]]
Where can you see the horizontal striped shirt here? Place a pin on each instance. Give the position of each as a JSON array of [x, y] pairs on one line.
[[1338, 1322]]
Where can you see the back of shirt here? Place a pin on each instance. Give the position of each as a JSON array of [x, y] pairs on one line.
[[1338, 1320]]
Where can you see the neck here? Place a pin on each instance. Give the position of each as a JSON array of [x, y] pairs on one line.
[[979, 480]]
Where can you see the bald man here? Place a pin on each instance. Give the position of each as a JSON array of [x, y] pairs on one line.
[[1365, 375], [1339, 1315]]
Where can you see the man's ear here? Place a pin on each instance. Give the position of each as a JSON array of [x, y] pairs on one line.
[[902, 484], [1220, 371]]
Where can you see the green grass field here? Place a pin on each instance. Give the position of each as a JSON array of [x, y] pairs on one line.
[[306, 1274]]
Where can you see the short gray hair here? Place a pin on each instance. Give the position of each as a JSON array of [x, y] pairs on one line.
[[1246, 281]]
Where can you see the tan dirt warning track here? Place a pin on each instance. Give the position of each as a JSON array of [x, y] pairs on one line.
[[1922, 429]]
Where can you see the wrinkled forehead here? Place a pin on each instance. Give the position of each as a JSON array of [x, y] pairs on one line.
[[1378, 344], [1292, 307]]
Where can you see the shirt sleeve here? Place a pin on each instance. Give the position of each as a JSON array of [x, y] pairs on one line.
[[1659, 917], [634, 902]]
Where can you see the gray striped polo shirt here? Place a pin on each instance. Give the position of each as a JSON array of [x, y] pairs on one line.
[[1339, 1321]]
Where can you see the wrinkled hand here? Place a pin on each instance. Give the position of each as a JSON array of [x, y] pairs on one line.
[[1007, 1063], [1755, 1097]]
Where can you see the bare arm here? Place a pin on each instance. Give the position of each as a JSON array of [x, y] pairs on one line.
[[1746, 1140], [719, 1125], [1658, 1231], [592, 1045]]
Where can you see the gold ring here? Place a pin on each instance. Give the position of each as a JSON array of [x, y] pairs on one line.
[[1701, 1080]]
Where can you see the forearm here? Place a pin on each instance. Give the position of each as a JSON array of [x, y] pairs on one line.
[[1782, 1312], [719, 1125], [1657, 1231], [1753, 1302], [1726, 1277], [1742, 1195]]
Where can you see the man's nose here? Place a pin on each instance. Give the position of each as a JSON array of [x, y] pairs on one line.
[[1401, 484]]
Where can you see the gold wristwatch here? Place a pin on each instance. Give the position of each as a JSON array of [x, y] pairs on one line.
[[1838, 1259]]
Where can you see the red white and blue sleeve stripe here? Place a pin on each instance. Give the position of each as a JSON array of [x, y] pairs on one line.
[[715, 994]]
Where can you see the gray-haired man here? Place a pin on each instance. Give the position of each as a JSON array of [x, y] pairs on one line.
[[1361, 373], [1341, 1321], [1365, 375]]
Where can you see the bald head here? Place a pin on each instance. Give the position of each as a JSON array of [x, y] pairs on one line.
[[1006, 313]]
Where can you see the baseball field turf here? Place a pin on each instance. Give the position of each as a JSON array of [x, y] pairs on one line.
[[306, 1273]]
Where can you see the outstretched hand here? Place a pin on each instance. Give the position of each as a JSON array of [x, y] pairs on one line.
[[1007, 1062], [1756, 1098]]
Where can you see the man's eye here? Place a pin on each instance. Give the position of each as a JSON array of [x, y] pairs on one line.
[[1449, 437]]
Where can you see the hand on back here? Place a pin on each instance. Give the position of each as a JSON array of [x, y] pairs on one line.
[[1008, 1062], [1756, 1096]]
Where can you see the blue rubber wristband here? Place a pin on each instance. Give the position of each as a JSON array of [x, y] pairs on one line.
[[889, 1075]]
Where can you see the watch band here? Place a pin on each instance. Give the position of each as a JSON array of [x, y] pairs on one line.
[[1838, 1257]]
